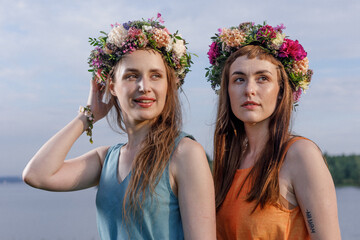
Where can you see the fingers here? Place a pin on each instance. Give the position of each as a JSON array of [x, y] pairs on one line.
[[94, 91], [109, 105], [95, 82], [95, 99]]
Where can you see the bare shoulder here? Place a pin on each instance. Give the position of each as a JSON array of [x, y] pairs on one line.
[[304, 158], [189, 156], [187, 144], [304, 151], [101, 152], [188, 151]]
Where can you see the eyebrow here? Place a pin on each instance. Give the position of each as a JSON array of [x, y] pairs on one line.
[[131, 70], [157, 70], [137, 70], [258, 72]]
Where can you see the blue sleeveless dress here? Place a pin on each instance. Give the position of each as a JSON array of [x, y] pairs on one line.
[[160, 218]]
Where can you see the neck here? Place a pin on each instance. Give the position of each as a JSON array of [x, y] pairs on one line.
[[136, 135], [136, 132], [257, 135]]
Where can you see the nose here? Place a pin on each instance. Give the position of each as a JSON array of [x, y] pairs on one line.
[[250, 87], [144, 84]]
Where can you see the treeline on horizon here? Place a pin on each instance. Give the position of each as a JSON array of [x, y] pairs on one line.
[[345, 169]]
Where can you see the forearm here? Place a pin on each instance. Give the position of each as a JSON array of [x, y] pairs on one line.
[[51, 156]]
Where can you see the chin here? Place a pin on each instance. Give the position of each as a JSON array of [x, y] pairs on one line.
[[254, 121], [249, 119], [147, 117], [251, 122]]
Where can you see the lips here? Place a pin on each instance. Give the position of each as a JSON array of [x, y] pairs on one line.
[[250, 105], [144, 102]]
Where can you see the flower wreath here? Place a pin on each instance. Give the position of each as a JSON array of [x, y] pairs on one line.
[[130, 36], [272, 39]]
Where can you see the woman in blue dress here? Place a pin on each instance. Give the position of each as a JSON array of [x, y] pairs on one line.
[[158, 185]]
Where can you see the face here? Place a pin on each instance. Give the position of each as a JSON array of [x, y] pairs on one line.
[[140, 86], [253, 89]]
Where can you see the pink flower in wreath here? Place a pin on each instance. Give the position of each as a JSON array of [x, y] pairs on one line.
[[161, 37], [133, 32], [232, 37], [297, 95], [279, 28], [300, 66], [160, 18], [266, 32], [292, 49], [213, 53], [137, 34]]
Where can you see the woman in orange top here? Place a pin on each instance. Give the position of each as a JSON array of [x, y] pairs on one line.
[[269, 183]]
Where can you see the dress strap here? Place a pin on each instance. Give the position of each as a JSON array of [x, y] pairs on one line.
[[288, 145], [178, 139]]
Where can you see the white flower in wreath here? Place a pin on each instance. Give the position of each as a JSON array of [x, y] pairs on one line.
[[146, 28], [304, 85], [117, 35], [178, 47], [180, 71], [278, 41], [169, 47]]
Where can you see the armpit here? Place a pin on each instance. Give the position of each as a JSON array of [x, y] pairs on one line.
[[287, 195]]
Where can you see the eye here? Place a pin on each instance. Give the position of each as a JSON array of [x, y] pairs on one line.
[[131, 76], [239, 80], [263, 79], [156, 76]]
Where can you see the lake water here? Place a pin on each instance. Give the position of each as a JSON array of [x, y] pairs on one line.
[[32, 214]]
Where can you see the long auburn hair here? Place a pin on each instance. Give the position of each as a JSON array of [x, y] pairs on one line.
[[151, 160], [230, 139]]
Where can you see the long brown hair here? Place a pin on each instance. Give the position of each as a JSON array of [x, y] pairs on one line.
[[150, 161], [230, 137]]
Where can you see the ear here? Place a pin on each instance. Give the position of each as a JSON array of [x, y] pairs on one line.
[[111, 87]]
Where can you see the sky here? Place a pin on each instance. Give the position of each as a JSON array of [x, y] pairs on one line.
[[44, 77]]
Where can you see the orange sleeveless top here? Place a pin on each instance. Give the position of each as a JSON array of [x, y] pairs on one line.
[[235, 221]]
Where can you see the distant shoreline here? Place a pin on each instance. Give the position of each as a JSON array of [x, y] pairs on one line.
[[10, 179], [18, 179]]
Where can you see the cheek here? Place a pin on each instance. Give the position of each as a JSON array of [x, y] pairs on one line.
[[162, 89], [234, 94], [123, 92], [272, 95], [162, 94], [234, 102]]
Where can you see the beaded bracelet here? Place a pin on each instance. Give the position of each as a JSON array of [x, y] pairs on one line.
[[90, 119]]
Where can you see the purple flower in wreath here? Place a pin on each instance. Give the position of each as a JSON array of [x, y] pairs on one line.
[[127, 25], [213, 53], [293, 49], [97, 62]]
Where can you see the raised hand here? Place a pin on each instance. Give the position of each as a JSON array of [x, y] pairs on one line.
[[95, 100], [48, 168]]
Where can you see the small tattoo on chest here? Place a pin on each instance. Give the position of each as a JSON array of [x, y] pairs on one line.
[[310, 221]]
